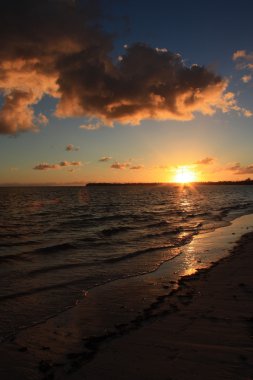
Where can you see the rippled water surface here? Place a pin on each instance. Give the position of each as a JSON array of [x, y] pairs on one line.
[[56, 242]]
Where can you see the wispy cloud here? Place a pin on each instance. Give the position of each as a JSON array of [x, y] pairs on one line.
[[71, 148], [91, 126], [205, 161], [46, 166], [105, 159], [136, 167], [237, 168], [120, 165]]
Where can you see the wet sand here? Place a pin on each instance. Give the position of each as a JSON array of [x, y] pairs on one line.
[[202, 330]]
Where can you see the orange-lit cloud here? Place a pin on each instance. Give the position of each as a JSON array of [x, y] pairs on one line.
[[120, 166], [246, 78], [62, 164], [136, 167], [54, 48], [46, 166], [237, 168], [244, 61], [205, 161]]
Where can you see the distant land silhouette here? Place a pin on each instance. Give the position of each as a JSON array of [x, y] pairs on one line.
[[247, 181]]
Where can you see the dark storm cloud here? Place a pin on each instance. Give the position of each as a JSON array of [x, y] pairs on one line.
[[56, 48]]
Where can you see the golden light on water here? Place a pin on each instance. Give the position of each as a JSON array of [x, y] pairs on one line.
[[184, 174]]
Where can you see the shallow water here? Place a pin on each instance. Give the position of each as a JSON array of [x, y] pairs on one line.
[[56, 242]]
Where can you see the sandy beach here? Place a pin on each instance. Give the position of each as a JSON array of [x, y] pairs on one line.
[[201, 330]]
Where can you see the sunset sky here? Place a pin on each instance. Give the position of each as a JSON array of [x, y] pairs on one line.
[[125, 91]]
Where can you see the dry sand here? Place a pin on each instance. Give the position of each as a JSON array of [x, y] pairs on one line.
[[204, 330]]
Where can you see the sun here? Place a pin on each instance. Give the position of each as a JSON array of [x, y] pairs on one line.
[[184, 175]]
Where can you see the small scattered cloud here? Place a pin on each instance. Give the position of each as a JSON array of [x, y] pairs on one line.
[[237, 168], [60, 165], [246, 113], [239, 54], [234, 166], [205, 161], [42, 119], [71, 148], [246, 78], [120, 166], [46, 166], [91, 126], [105, 159], [136, 167], [72, 163]]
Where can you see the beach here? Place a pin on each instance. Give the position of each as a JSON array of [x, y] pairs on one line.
[[202, 328]]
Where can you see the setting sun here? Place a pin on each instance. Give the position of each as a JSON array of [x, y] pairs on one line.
[[184, 175]]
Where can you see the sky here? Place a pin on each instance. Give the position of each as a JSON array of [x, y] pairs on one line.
[[125, 91]]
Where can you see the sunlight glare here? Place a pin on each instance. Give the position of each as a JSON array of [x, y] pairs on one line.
[[184, 175]]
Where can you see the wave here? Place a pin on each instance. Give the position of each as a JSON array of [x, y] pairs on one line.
[[59, 267], [56, 248], [164, 233], [175, 243], [114, 230], [162, 223]]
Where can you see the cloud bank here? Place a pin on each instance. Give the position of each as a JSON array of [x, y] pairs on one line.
[[56, 48]]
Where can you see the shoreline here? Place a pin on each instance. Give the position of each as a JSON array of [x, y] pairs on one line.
[[66, 342], [207, 337]]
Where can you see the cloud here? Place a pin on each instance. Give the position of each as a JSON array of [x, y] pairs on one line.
[[72, 163], [237, 168], [71, 148], [56, 48], [242, 54], [246, 78], [145, 83], [121, 166], [239, 54], [91, 126], [163, 167], [46, 166], [136, 167], [205, 161], [62, 164], [105, 159]]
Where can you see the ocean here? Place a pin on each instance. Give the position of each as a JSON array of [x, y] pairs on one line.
[[57, 243]]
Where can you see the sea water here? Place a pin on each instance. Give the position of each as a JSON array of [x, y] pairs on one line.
[[58, 242]]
